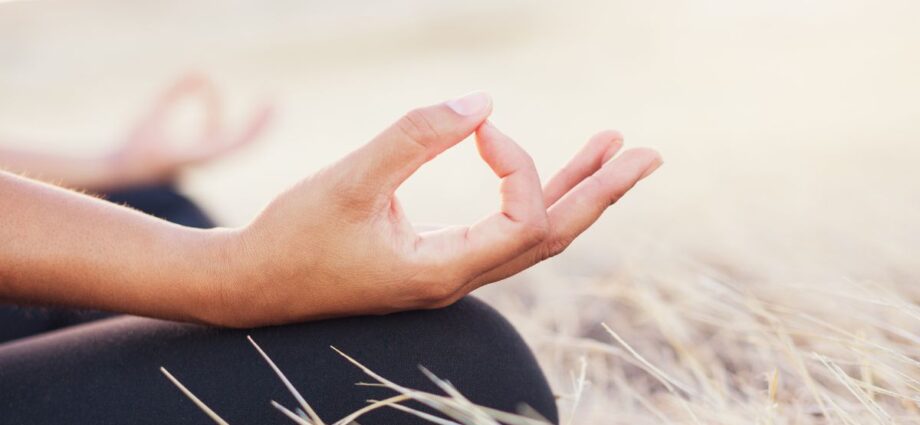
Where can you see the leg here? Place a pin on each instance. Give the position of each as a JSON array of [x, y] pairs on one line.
[[19, 321], [107, 371], [162, 201]]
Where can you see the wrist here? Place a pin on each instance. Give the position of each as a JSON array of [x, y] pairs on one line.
[[221, 295], [207, 273]]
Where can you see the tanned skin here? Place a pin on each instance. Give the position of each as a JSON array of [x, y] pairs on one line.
[[335, 244]]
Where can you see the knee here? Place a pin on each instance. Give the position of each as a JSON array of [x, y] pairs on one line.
[[479, 351], [468, 343], [474, 328]]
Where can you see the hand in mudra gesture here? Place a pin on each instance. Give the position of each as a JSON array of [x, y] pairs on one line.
[[339, 244], [149, 155]]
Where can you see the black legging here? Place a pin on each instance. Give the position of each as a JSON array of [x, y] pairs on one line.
[[106, 372]]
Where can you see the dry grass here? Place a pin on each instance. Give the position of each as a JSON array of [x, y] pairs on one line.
[[706, 346], [766, 274], [453, 404]]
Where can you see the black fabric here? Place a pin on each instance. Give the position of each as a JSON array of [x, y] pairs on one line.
[[21, 321], [107, 371]]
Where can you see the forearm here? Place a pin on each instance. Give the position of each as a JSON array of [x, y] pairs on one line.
[[61, 247], [335, 244], [90, 173]]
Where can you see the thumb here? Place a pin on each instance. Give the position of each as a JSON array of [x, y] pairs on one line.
[[420, 135]]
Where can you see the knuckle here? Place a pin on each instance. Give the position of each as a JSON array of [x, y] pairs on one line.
[[602, 198], [617, 195], [594, 183], [530, 163], [418, 127]]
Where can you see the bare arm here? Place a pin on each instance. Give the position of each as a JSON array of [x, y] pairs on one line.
[[62, 247], [335, 244]]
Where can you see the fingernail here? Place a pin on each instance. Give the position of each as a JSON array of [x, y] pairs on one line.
[[651, 169], [470, 104]]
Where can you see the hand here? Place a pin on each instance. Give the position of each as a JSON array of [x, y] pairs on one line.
[[149, 156], [338, 242]]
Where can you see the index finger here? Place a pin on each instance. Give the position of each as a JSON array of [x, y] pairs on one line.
[[521, 222]]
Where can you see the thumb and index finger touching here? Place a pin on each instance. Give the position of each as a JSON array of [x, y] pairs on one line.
[[415, 138], [383, 164]]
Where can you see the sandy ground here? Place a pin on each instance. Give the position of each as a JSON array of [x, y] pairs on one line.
[[789, 128]]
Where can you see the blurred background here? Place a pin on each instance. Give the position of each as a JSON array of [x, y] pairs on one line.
[[788, 128]]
